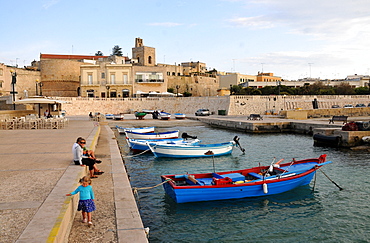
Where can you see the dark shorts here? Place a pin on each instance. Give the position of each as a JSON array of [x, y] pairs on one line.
[[86, 205], [89, 162]]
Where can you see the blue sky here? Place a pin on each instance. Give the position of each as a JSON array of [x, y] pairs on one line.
[[290, 38]]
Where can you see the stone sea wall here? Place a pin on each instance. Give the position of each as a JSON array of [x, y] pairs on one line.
[[233, 105]]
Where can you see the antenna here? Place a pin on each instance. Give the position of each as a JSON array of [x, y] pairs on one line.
[[310, 67]]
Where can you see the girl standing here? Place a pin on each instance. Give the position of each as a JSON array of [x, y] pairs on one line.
[[86, 203]]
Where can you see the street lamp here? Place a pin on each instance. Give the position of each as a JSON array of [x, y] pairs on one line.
[[37, 84], [14, 81], [177, 90], [278, 83], [41, 84], [108, 87]]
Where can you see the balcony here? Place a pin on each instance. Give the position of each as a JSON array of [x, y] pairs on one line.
[[149, 80]]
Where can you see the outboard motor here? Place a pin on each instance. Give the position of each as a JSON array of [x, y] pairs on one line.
[[186, 136], [236, 140]]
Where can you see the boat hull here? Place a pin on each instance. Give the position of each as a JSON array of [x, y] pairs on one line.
[[135, 135], [234, 192], [140, 115], [200, 150], [164, 116], [252, 182], [122, 130], [180, 116], [142, 145], [326, 140], [119, 116]]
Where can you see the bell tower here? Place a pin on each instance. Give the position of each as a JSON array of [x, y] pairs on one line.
[[144, 54]]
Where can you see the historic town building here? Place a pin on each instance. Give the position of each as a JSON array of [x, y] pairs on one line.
[[142, 76], [26, 79], [60, 74]]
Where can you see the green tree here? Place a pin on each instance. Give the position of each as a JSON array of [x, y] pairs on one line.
[[344, 89], [187, 94], [362, 90], [117, 51], [99, 53], [235, 89]]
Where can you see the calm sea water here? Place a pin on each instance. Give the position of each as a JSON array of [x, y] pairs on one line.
[[306, 214]]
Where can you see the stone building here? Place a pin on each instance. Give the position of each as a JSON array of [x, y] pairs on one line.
[[60, 74], [27, 81], [142, 76], [115, 77], [199, 83], [228, 79], [267, 77]]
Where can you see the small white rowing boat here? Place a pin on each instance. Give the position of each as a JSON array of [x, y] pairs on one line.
[[122, 130]]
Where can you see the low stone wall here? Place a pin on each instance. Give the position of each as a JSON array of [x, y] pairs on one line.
[[232, 105]]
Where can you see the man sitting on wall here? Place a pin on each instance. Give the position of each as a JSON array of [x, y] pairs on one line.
[[81, 158]]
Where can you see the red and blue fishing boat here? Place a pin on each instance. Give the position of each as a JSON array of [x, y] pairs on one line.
[[253, 182]]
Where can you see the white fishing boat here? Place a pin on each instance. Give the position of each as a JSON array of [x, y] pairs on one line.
[[192, 151], [122, 130], [152, 135], [138, 145], [180, 116], [119, 116], [164, 116], [109, 116]]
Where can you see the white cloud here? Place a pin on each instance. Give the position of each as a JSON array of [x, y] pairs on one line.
[[257, 22], [49, 3]]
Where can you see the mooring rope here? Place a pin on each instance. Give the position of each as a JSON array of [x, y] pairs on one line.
[[130, 156], [135, 189]]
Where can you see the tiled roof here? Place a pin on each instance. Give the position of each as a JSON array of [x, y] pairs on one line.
[[57, 56]]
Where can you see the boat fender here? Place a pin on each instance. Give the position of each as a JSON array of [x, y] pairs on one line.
[[265, 189], [181, 176], [239, 182]]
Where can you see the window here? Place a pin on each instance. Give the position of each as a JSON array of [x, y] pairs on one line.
[[103, 75], [1, 72], [1, 83], [150, 60], [113, 78], [89, 78], [125, 79]]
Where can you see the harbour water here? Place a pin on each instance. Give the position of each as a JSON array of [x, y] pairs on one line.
[[319, 212]]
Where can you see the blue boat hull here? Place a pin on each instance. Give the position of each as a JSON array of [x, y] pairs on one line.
[[252, 182], [223, 193]]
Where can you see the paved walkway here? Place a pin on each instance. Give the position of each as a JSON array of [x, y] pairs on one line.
[[36, 172]]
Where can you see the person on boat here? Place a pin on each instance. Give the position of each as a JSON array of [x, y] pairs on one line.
[[80, 159]]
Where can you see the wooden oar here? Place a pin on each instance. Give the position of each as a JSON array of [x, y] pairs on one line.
[[330, 179]]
